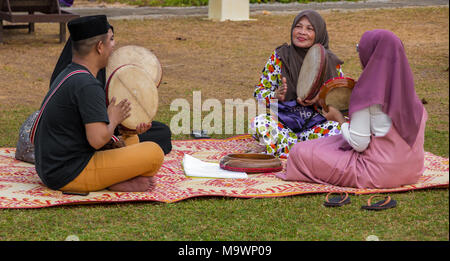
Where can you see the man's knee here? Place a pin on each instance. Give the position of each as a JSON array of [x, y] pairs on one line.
[[159, 133], [153, 153]]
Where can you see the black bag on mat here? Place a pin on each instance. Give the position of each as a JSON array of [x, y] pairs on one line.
[[24, 148]]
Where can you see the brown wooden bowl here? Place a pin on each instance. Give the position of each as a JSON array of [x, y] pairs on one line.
[[251, 163]]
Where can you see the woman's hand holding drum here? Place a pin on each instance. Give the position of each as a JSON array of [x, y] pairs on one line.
[[334, 114], [308, 102]]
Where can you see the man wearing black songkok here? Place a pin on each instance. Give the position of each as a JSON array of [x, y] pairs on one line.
[[75, 123], [159, 132]]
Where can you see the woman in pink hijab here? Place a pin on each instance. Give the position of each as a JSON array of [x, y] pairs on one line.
[[382, 145]]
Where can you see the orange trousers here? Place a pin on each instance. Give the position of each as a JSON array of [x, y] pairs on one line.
[[109, 167]]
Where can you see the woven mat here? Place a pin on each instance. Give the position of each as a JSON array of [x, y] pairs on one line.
[[20, 187]]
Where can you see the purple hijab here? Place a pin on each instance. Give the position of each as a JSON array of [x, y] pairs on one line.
[[387, 79]]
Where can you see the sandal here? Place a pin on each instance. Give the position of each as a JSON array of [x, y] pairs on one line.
[[197, 134], [337, 201], [380, 205]]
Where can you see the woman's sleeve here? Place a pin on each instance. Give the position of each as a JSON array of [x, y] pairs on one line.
[[339, 70], [270, 79], [357, 132]]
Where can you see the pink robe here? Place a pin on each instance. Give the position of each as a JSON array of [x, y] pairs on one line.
[[387, 162]]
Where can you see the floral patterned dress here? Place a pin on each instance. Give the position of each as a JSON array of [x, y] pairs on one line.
[[273, 134]]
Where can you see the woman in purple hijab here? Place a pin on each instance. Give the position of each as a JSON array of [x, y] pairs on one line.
[[382, 145]]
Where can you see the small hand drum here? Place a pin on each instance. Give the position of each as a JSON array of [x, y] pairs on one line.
[[336, 92], [312, 73], [135, 84], [251, 163], [137, 55]]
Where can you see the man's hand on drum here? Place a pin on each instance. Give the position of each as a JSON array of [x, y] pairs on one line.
[[143, 127], [333, 114], [280, 92], [118, 112], [308, 102]]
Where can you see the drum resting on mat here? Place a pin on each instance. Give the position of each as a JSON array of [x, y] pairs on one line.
[[251, 163], [137, 55], [336, 92], [312, 73]]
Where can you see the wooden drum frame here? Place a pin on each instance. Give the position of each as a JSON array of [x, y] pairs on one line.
[[131, 82], [312, 73], [336, 92], [251, 163]]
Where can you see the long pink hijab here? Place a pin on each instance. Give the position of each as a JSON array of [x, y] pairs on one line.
[[387, 79]]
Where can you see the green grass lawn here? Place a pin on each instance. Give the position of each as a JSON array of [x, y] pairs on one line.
[[421, 215]]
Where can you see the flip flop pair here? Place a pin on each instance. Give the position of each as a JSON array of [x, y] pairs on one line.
[[385, 203], [343, 199], [337, 201]]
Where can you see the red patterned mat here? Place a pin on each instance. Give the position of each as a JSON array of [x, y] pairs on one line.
[[20, 186]]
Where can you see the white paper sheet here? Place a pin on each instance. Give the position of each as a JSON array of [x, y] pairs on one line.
[[194, 167]]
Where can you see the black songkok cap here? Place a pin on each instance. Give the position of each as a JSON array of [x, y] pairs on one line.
[[88, 26]]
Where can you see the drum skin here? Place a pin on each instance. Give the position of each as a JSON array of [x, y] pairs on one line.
[[251, 163], [140, 56], [312, 73], [135, 84], [336, 92]]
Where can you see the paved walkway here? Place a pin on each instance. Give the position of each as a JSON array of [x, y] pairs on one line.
[[162, 12]]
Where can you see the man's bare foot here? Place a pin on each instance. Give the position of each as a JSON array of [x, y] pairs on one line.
[[137, 184]]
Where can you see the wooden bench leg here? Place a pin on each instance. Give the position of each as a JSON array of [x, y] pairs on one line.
[[31, 28], [30, 25], [62, 32], [1, 31]]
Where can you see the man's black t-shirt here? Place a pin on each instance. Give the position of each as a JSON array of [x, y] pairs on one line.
[[62, 150]]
